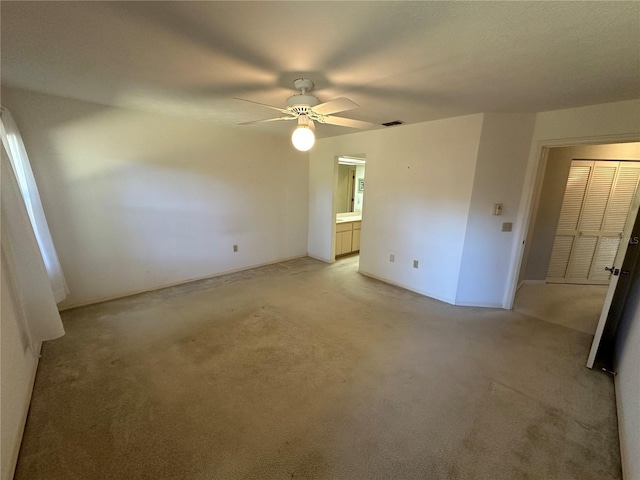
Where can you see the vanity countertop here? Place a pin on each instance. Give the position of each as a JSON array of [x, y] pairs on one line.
[[341, 218]]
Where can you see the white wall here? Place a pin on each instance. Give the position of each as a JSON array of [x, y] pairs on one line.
[[323, 175], [499, 175], [601, 120], [418, 190], [136, 201], [19, 365], [405, 221]]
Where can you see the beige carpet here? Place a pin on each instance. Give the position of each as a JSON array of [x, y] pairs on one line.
[[573, 306], [311, 371]]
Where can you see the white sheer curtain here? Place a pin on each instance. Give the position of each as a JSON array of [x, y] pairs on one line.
[[12, 142], [27, 276]]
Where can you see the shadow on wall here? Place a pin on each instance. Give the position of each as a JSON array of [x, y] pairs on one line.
[[137, 201]]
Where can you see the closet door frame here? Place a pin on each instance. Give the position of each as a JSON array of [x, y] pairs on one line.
[[579, 234]]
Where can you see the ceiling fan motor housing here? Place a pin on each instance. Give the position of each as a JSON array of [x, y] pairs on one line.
[[302, 103]]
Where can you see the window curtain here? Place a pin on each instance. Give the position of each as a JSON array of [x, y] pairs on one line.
[[26, 273], [17, 155]]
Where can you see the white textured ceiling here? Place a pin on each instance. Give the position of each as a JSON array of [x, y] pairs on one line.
[[409, 61]]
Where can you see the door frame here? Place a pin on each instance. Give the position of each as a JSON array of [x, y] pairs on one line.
[[334, 192], [531, 193]]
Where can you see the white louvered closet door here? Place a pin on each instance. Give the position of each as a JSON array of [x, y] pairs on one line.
[[594, 212]]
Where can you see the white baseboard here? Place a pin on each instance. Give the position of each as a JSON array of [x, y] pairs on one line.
[[325, 260], [175, 284], [406, 287], [480, 305], [427, 294]]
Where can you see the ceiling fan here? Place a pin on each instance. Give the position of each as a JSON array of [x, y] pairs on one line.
[[307, 109]]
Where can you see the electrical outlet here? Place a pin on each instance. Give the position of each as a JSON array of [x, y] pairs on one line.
[[415, 264], [392, 258], [235, 248]]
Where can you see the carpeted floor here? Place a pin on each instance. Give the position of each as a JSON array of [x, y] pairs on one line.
[[306, 370], [573, 306]]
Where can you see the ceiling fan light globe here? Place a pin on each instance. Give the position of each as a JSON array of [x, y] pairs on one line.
[[303, 138]]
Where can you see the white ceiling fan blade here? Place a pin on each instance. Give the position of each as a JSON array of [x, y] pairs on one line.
[[341, 104], [347, 122], [268, 120], [262, 104]]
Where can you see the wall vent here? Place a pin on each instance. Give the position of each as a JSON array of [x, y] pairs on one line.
[[391, 124]]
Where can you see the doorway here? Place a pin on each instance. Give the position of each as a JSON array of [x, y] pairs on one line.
[[547, 288], [349, 202]]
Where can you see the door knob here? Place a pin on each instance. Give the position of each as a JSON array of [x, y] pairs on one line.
[[614, 271]]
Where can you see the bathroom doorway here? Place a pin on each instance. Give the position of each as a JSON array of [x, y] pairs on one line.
[[349, 202]]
